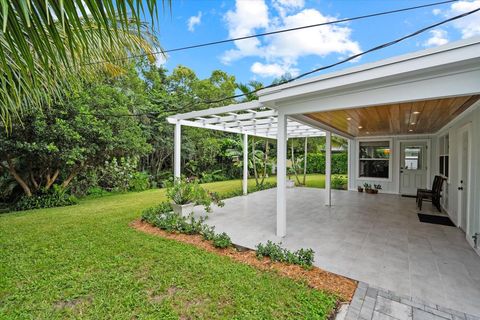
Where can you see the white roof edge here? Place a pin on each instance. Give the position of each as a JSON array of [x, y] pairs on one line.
[[372, 65], [218, 110]]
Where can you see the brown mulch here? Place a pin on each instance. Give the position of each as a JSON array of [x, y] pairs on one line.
[[315, 277]]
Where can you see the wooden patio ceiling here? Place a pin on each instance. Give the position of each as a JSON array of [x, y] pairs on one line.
[[419, 117]]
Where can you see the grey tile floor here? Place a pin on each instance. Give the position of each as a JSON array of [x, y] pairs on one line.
[[376, 239]]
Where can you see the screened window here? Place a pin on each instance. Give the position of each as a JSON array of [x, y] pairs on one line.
[[374, 159], [444, 152]]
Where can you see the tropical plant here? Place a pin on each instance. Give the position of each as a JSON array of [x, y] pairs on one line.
[[46, 45], [249, 90], [221, 240], [55, 197], [275, 251], [184, 191]]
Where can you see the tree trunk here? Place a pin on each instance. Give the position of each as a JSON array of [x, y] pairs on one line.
[[72, 175], [294, 166], [305, 162], [254, 162], [51, 180], [265, 159], [21, 182]]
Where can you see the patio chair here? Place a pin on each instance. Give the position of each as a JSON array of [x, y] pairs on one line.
[[432, 195]]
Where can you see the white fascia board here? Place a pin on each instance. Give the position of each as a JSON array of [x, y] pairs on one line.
[[220, 110], [464, 53]]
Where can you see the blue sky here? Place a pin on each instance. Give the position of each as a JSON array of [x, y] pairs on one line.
[[266, 58]]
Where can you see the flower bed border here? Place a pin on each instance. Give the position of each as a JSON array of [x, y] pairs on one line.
[[315, 277]]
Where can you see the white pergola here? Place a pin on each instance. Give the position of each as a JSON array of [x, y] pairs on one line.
[[253, 119]]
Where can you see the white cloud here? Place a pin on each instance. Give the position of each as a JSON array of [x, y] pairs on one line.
[[194, 21], [272, 70], [438, 37], [468, 26], [282, 51]]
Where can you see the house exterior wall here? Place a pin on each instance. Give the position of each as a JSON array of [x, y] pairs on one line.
[[450, 192], [391, 185]]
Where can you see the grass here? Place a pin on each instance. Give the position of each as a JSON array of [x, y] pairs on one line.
[[86, 262]]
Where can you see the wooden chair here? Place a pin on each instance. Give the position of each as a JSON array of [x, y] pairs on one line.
[[433, 195]]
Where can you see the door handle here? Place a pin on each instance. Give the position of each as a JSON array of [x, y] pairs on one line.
[[460, 188]]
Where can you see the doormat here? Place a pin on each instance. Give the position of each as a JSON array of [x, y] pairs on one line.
[[408, 196], [428, 218]]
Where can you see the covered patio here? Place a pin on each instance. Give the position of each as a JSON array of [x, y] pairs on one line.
[[376, 239]]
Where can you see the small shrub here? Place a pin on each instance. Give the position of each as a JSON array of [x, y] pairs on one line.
[[55, 197], [184, 191], [139, 182], [222, 241], [339, 182], [302, 257], [207, 232]]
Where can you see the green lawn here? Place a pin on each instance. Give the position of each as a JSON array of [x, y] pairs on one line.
[[85, 261]]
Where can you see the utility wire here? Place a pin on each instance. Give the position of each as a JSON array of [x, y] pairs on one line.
[[379, 47], [200, 45]]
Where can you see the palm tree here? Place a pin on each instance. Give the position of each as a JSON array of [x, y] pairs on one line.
[[249, 90], [44, 44]]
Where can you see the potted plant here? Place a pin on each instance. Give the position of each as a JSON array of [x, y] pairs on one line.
[[360, 188], [184, 194], [368, 188], [376, 188]]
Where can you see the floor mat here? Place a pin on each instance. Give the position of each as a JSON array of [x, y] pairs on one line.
[[428, 218]]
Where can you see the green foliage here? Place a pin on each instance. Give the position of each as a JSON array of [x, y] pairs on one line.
[[163, 217], [302, 257], [183, 191], [221, 241], [250, 189], [139, 182], [55, 197], [316, 163], [339, 182]]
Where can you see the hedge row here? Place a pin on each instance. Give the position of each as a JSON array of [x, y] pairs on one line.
[[316, 163]]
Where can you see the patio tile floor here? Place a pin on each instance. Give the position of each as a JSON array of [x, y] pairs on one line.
[[376, 239]]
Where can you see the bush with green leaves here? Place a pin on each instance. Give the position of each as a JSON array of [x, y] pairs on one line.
[[139, 181], [54, 197], [302, 257], [339, 182], [163, 217], [183, 191], [239, 192], [222, 241]]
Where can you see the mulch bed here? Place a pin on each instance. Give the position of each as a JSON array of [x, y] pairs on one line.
[[315, 277]]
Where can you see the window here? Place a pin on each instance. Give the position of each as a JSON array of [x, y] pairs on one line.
[[413, 158], [374, 159], [444, 151]]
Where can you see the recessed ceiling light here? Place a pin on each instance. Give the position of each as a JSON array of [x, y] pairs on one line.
[[368, 132], [349, 118], [413, 123], [360, 127], [416, 112], [411, 130]]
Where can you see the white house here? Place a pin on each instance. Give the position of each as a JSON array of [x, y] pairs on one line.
[[407, 119]]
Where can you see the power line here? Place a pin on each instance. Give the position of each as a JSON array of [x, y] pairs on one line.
[[384, 45], [381, 46], [201, 45]]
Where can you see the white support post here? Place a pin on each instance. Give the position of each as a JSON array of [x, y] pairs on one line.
[[281, 175], [245, 164], [328, 168], [177, 140], [349, 165]]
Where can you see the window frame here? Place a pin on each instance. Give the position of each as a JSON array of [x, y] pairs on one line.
[[444, 141], [390, 159]]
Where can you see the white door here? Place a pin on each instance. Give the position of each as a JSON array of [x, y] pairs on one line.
[[464, 151], [413, 166]]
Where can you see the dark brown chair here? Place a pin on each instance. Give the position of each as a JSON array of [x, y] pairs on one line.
[[432, 195]]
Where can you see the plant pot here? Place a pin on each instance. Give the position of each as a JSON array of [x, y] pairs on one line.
[[360, 189], [374, 191], [183, 209], [290, 184]]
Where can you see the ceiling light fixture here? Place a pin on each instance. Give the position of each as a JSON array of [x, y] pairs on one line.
[[349, 118], [360, 127], [411, 130], [413, 123], [416, 112]]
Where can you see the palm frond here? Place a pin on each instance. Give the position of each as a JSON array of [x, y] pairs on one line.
[[46, 43]]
